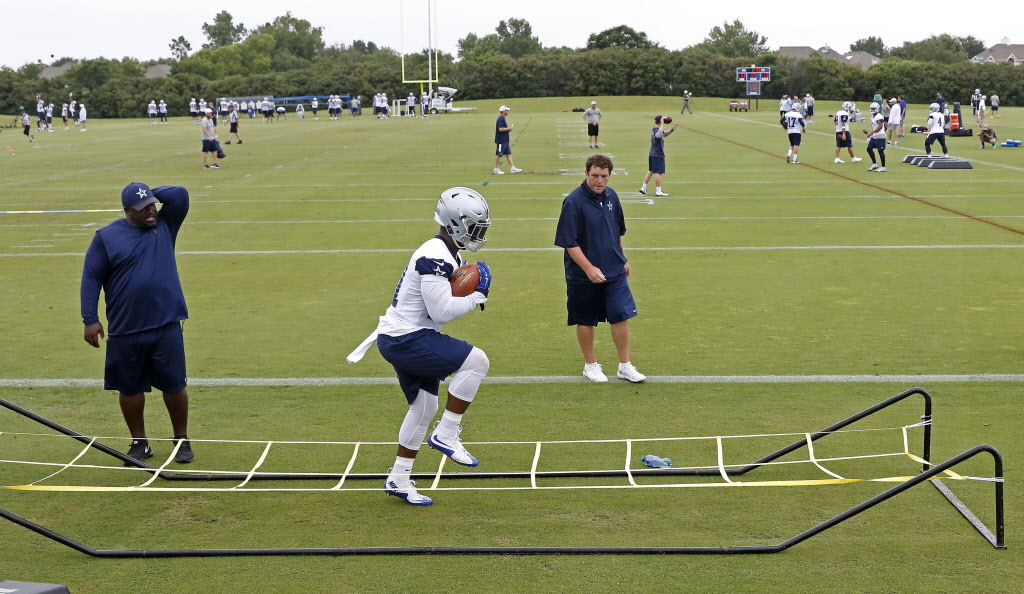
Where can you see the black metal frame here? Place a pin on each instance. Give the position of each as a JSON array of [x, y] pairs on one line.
[[996, 539]]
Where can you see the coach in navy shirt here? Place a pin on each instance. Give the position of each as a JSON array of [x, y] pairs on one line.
[[132, 261], [590, 229]]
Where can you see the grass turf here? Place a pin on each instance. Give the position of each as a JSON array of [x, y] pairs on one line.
[[750, 267]]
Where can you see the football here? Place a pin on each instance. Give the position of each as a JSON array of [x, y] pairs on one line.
[[667, 119], [465, 280]]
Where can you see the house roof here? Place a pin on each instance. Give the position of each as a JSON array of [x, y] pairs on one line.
[[1001, 52], [55, 71], [803, 52], [158, 71]]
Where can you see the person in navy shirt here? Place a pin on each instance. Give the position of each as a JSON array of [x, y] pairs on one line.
[[132, 261], [590, 229], [501, 130]]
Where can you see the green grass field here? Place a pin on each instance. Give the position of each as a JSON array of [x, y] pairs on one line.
[[751, 275]]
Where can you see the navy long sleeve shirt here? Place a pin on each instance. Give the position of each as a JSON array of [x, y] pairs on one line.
[[136, 270], [594, 223]]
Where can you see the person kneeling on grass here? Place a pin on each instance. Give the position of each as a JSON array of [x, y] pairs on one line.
[[988, 135]]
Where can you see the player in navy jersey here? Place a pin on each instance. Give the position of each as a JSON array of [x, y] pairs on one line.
[[132, 261], [876, 138], [795, 127], [409, 337]]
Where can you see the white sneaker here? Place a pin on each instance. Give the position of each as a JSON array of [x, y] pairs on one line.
[[855, 160], [881, 169], [873, 167], [643, 191], [838, 160], [406, 489], [498, 171], [629, 373], [594, 372], [661, 194], [795, 161], [516, 170], [452, 447]]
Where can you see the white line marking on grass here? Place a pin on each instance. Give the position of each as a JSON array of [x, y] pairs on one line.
[[553, 379], [765, 248]]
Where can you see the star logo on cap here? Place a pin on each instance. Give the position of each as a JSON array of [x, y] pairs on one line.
[[142, 193]]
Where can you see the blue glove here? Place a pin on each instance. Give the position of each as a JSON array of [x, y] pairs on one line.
[[485, 278]]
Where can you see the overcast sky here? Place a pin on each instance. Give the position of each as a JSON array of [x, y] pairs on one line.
[[143, 30]]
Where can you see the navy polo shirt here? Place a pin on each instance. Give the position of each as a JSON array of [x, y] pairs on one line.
[[594, 223], [136, 270]]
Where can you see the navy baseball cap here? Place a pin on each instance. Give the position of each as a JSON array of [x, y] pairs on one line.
[[137, 195]]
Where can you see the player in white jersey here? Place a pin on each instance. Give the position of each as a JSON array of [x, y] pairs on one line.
[[876, 137], [202, 107], [72, 111], [64, 116], [843, 136], [424, 104], [895, 119], [163, 111], [49, 117], [193, 110], [409, 337], [151, 110], [410, 105], [315, 106], [795, 126], [936, 130]]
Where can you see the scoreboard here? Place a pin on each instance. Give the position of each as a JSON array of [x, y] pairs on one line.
[[753, 73]]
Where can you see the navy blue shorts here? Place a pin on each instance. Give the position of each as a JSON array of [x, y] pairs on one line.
[[503, 149], [876, 144], [656, 164], [840, 143], [810, 111], [794, 138], [141, 361], [208, 146], [610, 301], [422, 359]]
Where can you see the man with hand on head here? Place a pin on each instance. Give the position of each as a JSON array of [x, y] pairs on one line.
[[409, 338], [132, 261], [590, 230]]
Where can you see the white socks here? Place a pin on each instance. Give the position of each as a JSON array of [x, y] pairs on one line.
[[402, 467], [643, 187], [449, 423]]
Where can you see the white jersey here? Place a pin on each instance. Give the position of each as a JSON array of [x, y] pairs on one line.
[[981, 103], [152, 108], [192, 106], [895, 114], [163, 107], [202, 106], [936, 123], [49, 111], [81, 113], [842, 121], [40, 106], [72, 107], [223, 105], [314, 104], [423, 298], [794, 122], [410, 100], [878, 121]]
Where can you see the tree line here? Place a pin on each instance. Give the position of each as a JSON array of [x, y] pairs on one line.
[[288, 57]]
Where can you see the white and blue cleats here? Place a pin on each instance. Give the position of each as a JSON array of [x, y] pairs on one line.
[[452, 447], [405, 489]]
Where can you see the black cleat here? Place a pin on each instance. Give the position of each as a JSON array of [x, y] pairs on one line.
[[139, 451], [184, 455]]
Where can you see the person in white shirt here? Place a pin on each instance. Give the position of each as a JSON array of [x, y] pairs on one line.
[[409, 337], [809, 106], [64, 116], [81, 116], [49, 117], [202, 108], [163, 111], [151, 110], [233, 121], [895, 119], [982, 113], [843, 137], [315, 106], [208, 132], [73, 111], [795, 127], [936, 130], [424, 104], [876, 136], [410, 105], [193, 110]]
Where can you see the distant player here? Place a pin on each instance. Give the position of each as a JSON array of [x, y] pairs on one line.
[[314, 106], [162, 107], [49, 117], [936, 126], [809, 106], [82, 115], [410, 105], [424, 104], [233, 121], [895, 121], [193, 110], [795, 127], [843, 137], [64, 116], [152, 110], [409, 338], [876, 136], [26, 124]]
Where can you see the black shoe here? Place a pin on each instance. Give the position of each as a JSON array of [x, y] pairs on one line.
[[239, 142], [139, 451], [228, 142], [184, 455]]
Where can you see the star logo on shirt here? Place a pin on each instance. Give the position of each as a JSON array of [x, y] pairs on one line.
[[142, 193], [609, 206], [438, 268]]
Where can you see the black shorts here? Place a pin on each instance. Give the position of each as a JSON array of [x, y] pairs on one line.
[[234, 127], [794, 138], [591, 129], [27, 126], [140, 361], [810, 111]]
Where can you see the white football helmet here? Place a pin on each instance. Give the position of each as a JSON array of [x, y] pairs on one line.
[[847, 106], [874, 107], [465, 216], [934, 107]]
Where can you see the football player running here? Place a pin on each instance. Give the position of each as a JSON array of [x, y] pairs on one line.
[[876, 138], [409, 337]]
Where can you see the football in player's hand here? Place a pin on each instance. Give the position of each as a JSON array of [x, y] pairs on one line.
[[667, 119], [465, 280]]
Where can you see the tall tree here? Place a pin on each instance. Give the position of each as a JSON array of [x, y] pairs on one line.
[[223, 31], [516, 37], [972, 45], [871, 45], [180, 47], [621, 36], [937, 48], [732, 40], [296, 37]]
